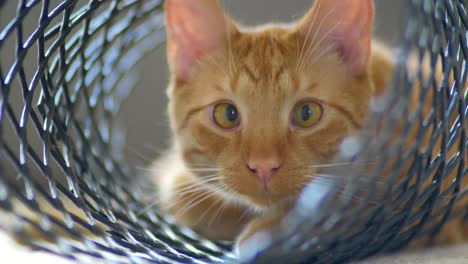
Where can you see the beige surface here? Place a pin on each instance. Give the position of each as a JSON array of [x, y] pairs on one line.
[[449, 255], [12, 253]]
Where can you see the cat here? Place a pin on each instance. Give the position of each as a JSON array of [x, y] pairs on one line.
[[255, 111]]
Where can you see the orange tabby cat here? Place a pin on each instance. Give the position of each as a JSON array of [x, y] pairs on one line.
[[251, 109]]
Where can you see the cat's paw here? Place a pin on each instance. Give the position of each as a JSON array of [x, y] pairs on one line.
[[256, 236], [248, 248]]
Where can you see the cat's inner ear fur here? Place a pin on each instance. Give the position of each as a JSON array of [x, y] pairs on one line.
[[195, 28], [343, 26]]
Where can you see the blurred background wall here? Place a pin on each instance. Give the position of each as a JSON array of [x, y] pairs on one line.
[[144, 113]]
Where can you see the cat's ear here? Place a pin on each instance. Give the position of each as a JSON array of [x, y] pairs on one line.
[[343, 26], [194, 28]]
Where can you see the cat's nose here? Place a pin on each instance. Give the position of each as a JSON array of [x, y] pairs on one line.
[[264, 169]]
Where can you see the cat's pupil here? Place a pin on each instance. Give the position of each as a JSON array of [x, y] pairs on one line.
[[231, 113], [306, 112]]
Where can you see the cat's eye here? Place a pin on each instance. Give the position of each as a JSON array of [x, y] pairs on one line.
[[306, 114], [225, 115]]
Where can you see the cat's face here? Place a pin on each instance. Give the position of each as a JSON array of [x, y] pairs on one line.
[[264, 109]]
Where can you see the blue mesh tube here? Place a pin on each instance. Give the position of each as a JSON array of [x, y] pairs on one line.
[[64, 80]]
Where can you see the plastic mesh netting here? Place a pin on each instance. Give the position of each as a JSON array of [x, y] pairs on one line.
[[63, 177]]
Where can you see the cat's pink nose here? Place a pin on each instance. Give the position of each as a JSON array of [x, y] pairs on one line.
[[264, 169]]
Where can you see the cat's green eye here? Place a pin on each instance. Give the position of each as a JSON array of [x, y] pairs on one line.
[[225, 115], [306, 114]]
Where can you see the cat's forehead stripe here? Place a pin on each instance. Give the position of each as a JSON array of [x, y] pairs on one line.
[[281, 71], [263, 54], [347, 113], [187, 117], [246, 69], [255, 79]]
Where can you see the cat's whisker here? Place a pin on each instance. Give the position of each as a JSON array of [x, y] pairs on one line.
[[192, 189], [232, 64], [140, 155], [326, 175], [336, 179], [364, 200], [321, 176], [203, 177], [218, 212], [314, 48], [203, 165], [217, 63], [188, 190], [145, 169], [229, 61], [148, 207], [244, 215], [192, 183], [324, 51], [154, 149], [195, 184], [307, 37], [193, 195], [220, 198], [196, 201], [198, 186], [156, 202], [189, 200], [331, 165], [199, 164], [204, 169], [326, 165], [201, 168], [191, 192], [304, 60], [324, 18]]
